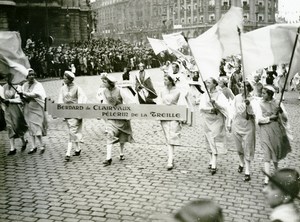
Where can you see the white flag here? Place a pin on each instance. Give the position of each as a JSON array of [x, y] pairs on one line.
[[216, 43], [157, 45]]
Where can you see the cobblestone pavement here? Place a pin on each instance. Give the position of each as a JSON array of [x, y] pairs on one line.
[[46, 188]]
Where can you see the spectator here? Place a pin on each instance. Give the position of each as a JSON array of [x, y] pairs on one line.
[[200, 210], [281, 192]]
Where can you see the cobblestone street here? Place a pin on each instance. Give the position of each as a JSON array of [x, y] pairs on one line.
[[46, 188]]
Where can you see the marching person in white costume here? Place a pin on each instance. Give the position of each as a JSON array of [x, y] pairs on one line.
[[70, 93]]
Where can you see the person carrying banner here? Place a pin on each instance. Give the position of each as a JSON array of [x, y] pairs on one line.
[[33, 95], [116, 130], [214, 108], [170, 96], [243, 127], [274, 130], [14, 117], [144, 87], [70, 93]]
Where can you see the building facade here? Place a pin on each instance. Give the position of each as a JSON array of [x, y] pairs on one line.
[[134, 20], [64, 20]]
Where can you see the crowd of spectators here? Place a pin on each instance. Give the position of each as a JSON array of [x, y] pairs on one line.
[[88, 58]]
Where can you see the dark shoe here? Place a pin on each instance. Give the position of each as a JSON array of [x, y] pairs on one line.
[[107, 162], [170, 167], [247, 178], [209, 166], [122, 157], [12, 152], [32, 151], [24, 146], [213, 171], [77, 153], [240, 169], [67, 158]]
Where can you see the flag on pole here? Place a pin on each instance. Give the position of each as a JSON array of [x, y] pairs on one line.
[[157, 45], [174, 40], [216, 43], [12, 58], [295, 63], [270, 45]]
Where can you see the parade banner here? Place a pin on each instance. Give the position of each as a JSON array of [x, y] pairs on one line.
[[122, 111]]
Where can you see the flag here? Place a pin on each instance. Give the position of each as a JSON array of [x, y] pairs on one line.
[[174, 40], [12, 58], [219, 41], [270, 45], [295, 63], [157, 45]]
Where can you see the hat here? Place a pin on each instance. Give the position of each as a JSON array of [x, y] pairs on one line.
[[104, 75], [287, 180], [176, 63], [31, 71], [269, 87], [69, 74], [224, 79]]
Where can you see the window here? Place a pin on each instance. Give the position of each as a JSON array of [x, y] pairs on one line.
[[195, 19], [211, 3], [189, 20], [182, 20]]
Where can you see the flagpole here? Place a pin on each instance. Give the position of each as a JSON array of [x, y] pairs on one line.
[[242, 58], [290, 65], [205, 86], [244, 76]]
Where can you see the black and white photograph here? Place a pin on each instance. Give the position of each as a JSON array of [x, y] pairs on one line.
[[149, 110]]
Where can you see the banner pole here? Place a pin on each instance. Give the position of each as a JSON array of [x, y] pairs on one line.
[[290, 65], [205, 86], [244, 76]]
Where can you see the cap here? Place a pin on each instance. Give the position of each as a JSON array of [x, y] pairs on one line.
[[31, 71], [104, 75], [176, 63], [269, 87], [69, 74], [224, 79], [287, 180]]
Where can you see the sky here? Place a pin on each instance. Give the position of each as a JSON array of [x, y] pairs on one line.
[[289, 9]]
